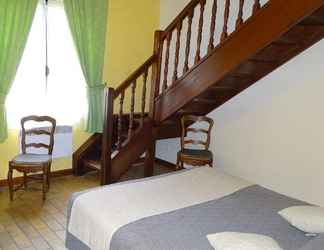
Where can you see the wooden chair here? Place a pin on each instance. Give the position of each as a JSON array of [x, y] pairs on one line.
[[27, 163], [195, 157]]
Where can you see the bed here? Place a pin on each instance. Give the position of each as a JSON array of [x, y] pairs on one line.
[[177, 211]]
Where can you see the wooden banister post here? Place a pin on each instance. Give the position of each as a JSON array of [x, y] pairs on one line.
[[107, 139], [156, 71], [155, 90], [226, 18]]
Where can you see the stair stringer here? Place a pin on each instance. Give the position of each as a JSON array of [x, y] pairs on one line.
[[132, 150], [230, 54]]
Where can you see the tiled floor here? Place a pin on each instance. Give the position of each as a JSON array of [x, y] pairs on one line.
[[28, 223]]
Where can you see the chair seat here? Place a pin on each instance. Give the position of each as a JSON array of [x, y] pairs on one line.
[[31, 159], [200, 154]]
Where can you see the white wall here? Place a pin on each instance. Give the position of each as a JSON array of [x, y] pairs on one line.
[[169, 10], [272, 133]]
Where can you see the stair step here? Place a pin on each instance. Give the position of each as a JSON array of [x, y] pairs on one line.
[[319, 13], [170, 128], [254, 68], [300, 33], [313, 20], [238, 76], [221, 88], [94, 161], [261, 61], [205, 101], [276, 51], [182, 112], [170, 122], [212, 96], [92, 164]]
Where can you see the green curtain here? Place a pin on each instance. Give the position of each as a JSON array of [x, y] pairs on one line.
[[15, 22], [88, 22]]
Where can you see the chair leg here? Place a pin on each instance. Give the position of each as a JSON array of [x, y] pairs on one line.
[[25, 180], [48, 182], [178, 163], [45, 172], [10, 183], [48, 177]]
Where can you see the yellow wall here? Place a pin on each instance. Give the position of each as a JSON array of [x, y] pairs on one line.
[[131, 26]]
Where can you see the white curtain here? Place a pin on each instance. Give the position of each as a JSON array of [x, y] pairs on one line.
[[64, 97]]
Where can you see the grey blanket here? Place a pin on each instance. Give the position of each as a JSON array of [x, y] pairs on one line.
[[251, 210]]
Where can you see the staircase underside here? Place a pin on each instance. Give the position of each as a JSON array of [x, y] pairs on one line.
[[88, 156], [261, 45]]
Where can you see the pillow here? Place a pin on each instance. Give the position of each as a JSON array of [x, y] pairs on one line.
[[242, 241], [309, 219], [316, 243]]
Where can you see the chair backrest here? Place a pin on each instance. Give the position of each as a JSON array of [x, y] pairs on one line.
[[38, 132], [186, 121]]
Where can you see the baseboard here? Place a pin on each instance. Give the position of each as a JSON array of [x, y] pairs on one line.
[[58, 173]]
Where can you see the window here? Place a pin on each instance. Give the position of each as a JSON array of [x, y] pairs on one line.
[[64, 95]]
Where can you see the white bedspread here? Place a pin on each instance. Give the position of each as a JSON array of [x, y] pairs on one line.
[[98, 214]]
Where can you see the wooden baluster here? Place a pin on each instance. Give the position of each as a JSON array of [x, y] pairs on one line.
[[256, 6], [176, 58], [120, 120], [186, 62], [144, 94], [156, 72], [200, 29], [226, 16], [166, 63], [212, 26], [239, 20], [132, 109]]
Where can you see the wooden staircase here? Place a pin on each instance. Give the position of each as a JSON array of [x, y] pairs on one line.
[[272, 35]]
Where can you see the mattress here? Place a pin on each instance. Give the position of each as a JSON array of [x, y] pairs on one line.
[[177, 211]]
